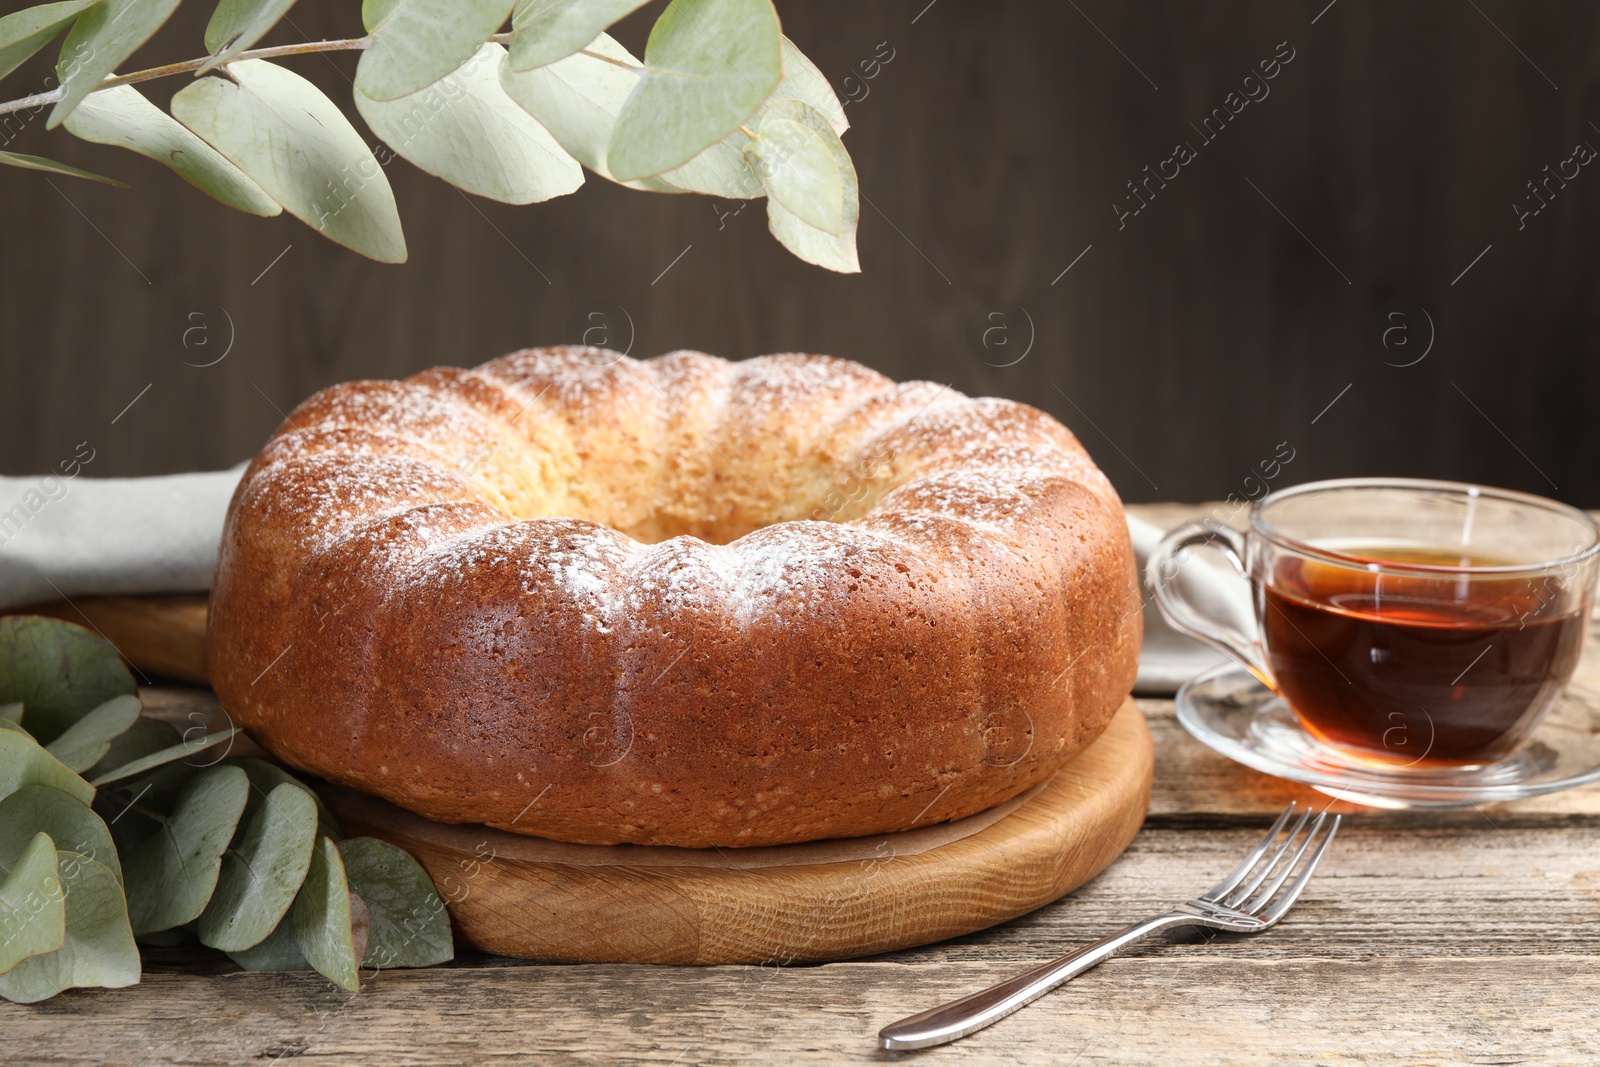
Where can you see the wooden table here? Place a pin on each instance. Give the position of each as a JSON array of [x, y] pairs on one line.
[[1446, 938]]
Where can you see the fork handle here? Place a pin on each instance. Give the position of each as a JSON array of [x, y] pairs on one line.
[[957, 1019]]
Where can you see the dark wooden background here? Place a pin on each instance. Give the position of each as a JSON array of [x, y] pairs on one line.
[[1224, 319]]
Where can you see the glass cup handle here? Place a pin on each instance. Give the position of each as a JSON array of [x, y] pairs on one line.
[[1182, 615]]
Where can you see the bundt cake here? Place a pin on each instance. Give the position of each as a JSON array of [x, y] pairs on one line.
[[678, 601]]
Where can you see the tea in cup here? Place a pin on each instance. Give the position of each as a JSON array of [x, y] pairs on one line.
[[1406, 623]]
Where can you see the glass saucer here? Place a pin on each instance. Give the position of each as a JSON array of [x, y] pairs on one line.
[[1228, 710]]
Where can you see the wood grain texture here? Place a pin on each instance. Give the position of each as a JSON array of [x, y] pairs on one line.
[[1056, 840], [1185, 345], [1415, 948]]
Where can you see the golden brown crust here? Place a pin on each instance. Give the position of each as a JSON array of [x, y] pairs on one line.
[[801, 602]]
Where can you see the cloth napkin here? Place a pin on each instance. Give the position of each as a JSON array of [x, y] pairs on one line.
[[65, 537]]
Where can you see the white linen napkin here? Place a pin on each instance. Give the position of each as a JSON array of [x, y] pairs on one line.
[[66, 537]]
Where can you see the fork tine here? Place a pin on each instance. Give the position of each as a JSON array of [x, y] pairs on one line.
[[1238, 874], [1238, 895], [1265, 895], [1290, 895]]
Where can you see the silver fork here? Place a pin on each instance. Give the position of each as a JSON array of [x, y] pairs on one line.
[[1245, 902]]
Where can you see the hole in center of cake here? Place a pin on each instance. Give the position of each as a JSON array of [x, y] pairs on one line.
[[717, 499]]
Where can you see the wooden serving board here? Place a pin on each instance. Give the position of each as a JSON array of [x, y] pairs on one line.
[[521, 896]]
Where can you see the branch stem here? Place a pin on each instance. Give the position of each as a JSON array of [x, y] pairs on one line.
[[348, 44]]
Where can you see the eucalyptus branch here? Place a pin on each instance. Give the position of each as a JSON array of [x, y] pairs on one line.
[[608, 59], [348, 44], [280, 144]]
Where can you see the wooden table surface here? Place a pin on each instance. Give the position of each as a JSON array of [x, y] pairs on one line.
[[1447, 938]]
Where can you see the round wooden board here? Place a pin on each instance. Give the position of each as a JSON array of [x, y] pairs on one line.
[[1059, 837]]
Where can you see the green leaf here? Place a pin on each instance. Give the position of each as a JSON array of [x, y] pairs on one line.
[[143, 738], [417, 42], [548, 30], [104, 36], [85, 742], [166, 755], [298, 146], [408, 924], [722, 169], [262, 874], [802, 81], [7, 724], [802, 164], [833, 251], [265, 777], [178, 935], [24, 762], [98, 949], [33, 910], [322, 917], [70, 822], [59, 670], [577, 100], [22, 33], [171, 876], [709, 64], [121, 116], [12, 712], [278, 952], [50, 166], [237, 24], [156, 789], [466, 130]]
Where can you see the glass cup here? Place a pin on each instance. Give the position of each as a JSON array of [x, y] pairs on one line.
[[1406, 623]]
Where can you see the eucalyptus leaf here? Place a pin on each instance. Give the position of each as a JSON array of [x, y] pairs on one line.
[[33, 910], [98, 949], [22, 33], [802, 81], [322, 919], [417, 42], [548, 30], [466, 130], [709, 64], [297, 145], [71, 824], [50, 166], [24, 762], [12, 712], [577, 98], [408, 924], [166, 755], [262, 874], [60, 671], [104, 35], [722, 169], [265, 777], [171, 876], [833, 251], [121, 116], [802, 164], [125, 815], [7, 724], [278, 952], [85, 742], [237, 24], [144, 738], [178, 935]]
